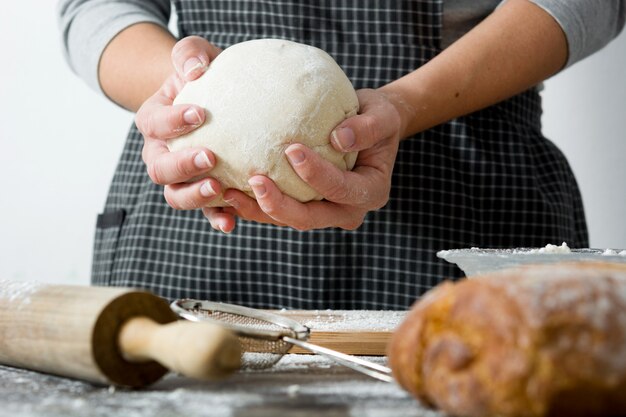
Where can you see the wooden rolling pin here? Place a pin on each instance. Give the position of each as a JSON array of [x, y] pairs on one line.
[[112, 336]]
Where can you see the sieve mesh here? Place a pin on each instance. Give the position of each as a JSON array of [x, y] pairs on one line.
[[258, 352]]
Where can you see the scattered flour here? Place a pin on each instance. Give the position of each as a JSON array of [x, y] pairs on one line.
[[355, 320], [298, 384], [292, 390]]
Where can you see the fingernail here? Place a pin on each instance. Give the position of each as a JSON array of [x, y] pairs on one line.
[[207, 190], [296, 156], [343, 138], [232, 202], [191, 65], [202, 161], [258, 187], [191, 116], [223, 228]]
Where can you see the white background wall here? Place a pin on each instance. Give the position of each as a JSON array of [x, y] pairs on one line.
[[60, 142]]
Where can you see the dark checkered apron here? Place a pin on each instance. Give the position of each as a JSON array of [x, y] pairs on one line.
[[489, 179]]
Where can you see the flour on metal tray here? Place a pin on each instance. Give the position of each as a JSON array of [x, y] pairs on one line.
[[550, 248]]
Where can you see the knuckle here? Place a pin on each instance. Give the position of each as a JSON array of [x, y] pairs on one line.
[[354, 223], [187, 47], [170, 89], [303, 227], [155, 173], [183, 168], [140, 120], [176, 123], [188, 203], [178, 200], [190, 40], [148, 126], [171, 201], [305, 223], [382, 201], [307, 173], [145, 155], [337, 191], [210, 214], [370, 124], [267, 207], [181, 46], [196, 41]]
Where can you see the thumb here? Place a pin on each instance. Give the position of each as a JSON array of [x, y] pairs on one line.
[[192, 55], [378, 121]]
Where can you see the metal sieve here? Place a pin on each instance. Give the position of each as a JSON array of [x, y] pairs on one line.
[[265, 337]]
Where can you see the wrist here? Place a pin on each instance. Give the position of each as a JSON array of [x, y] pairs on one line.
[[405, 110], [414, 97]]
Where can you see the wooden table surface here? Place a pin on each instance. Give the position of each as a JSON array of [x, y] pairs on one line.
[[298, 385]]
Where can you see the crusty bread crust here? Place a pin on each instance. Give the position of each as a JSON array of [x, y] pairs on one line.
[[542, 340]]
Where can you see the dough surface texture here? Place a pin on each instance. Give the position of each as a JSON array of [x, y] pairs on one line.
[[261, 96]]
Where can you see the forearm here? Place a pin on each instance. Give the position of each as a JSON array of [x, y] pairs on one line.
[[515, 48], [135, 64]]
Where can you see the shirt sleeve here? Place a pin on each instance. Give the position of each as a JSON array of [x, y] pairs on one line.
[[588, 24], [87, 27]]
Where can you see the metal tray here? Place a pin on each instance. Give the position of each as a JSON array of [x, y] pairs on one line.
[[477, 261]]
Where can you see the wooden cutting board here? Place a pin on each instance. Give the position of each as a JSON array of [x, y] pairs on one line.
[[355, 332]]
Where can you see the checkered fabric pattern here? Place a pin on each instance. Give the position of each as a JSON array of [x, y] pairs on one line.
[[489, 179]]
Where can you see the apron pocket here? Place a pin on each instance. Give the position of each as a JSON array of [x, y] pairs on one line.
[[108, 228]]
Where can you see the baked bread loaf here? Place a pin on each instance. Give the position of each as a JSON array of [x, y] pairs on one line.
[[543, 340]]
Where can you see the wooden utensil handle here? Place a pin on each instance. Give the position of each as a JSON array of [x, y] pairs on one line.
[[197, 350]]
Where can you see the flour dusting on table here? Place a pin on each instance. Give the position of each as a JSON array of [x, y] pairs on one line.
[[306, 385]]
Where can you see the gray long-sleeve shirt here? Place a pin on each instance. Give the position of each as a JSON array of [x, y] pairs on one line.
[[89, 25]]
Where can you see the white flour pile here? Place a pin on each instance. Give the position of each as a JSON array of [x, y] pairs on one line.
[[549, 248]]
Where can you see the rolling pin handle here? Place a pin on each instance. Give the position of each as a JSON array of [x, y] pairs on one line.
[[197, 350]]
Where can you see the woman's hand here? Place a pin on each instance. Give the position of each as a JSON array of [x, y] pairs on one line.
[[349, 195], [159, 120]]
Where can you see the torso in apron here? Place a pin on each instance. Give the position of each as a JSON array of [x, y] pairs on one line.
[[489, 179]]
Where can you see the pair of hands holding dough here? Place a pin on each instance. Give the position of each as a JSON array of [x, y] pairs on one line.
[[347, 195]]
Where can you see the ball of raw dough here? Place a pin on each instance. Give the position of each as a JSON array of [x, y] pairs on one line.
[[261, 96]]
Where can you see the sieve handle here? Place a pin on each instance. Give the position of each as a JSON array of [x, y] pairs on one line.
[[372, 369]]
